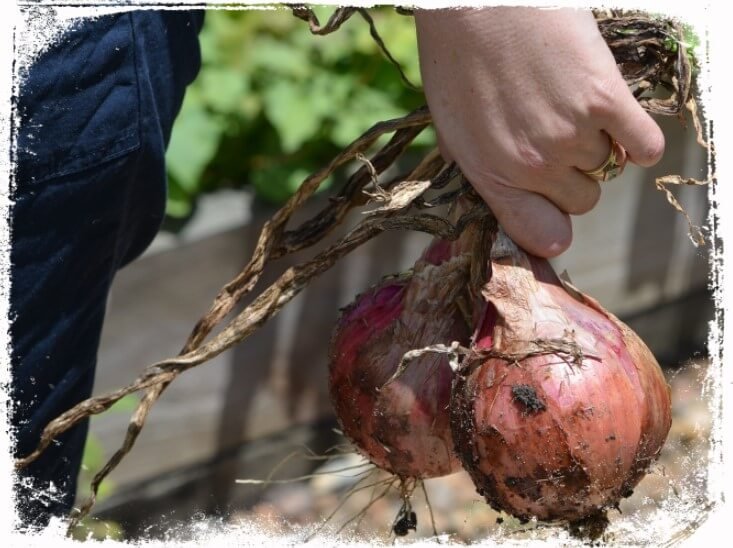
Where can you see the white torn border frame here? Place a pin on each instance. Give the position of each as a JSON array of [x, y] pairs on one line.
[[19, 46]]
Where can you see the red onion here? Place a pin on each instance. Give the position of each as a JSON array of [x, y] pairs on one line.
[[402, 427], [559, 409]]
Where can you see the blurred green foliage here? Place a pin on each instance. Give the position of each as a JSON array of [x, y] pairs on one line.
[[274, 102]]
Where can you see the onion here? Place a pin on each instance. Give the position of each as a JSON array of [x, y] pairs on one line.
[[559, 408], [403, 426]]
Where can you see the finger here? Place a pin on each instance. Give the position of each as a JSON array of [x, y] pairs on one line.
[[529, 219], [634, 129], [595, 151], [567, 188]]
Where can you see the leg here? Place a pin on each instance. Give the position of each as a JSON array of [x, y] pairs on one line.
[[90, 195]]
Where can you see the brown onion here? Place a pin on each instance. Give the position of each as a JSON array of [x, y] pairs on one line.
[[560, 408], [402, 427]]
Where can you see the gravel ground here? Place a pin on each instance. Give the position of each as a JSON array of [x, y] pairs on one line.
[[672, 495]]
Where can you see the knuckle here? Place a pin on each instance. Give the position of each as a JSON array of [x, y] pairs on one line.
[[532, 158], [602, 96], [571, 137], [479, 174]]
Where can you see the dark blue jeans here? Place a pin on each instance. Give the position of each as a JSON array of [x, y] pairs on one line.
[[95, 112]]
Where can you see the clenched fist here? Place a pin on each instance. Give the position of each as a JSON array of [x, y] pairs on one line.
[[524, 100]]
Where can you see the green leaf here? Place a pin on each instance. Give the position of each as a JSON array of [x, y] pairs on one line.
[[179, 203], [277, 183], [401, 41], [692, 40], [93, 456], [194, 142], [126, 404], [289, 108], [427, 138], [105, 490], [367, 107], [223, 89], [328, 94], [270, 92], [178, 209], [277, 58]]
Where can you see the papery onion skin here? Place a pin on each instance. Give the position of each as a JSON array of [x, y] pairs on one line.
[[402, 427], [555, 436]]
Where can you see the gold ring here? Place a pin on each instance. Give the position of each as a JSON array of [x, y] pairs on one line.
[[612, 167]]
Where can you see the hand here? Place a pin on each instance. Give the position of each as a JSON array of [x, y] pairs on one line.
[[523, 99]]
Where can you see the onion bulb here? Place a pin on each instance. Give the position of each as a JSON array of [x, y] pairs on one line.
[[402, 425], [559, 408]]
